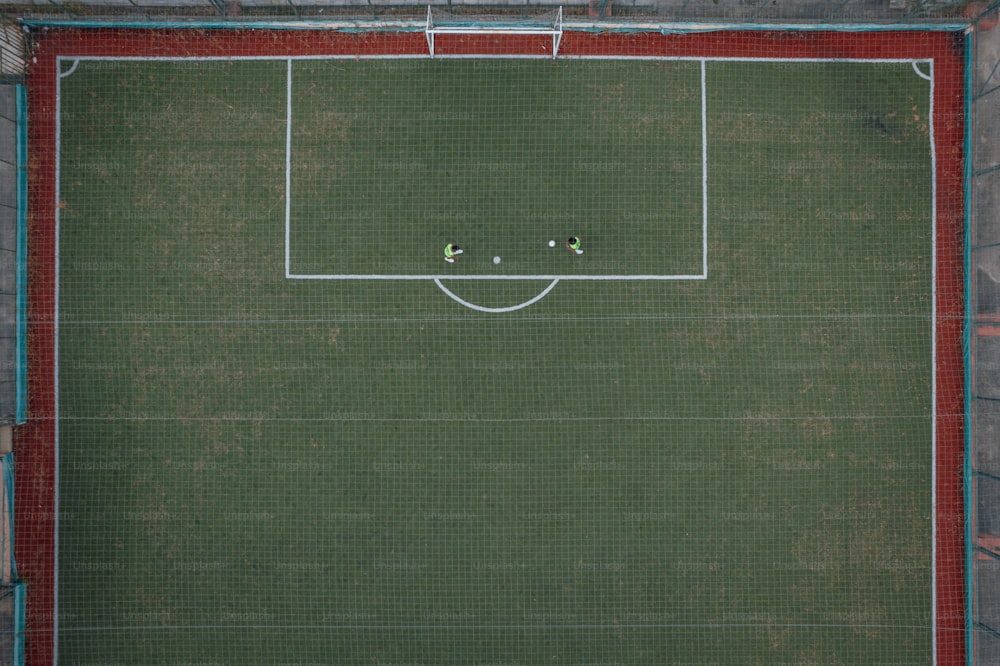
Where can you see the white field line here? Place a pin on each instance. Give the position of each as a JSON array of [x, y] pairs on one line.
[[288, 170], [913, 61], [555, 278], [424, 56], [510, 308], [487, 626], [704, 177], [493, 277], [55, 367], [934, 406]]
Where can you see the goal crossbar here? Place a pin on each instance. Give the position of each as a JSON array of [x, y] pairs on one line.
[[547, 25]]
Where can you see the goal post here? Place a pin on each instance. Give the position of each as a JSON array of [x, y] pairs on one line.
[[441, 22]]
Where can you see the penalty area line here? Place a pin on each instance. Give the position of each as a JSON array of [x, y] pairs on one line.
[[495, 277]]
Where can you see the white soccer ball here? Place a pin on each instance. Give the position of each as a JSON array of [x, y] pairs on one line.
[[552, 243], [496, 260]]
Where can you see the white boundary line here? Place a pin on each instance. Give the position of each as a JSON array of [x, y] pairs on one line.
[[288, 171], [354, 418], [55, 364], [424, 56], [704, 177], [934, 406], [913, 61]]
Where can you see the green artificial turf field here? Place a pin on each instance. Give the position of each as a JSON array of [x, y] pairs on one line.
[[729, 463]]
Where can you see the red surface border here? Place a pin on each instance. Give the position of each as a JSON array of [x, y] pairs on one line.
[[35, 441]]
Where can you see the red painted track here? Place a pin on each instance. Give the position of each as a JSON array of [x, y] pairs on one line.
[[34, 442]]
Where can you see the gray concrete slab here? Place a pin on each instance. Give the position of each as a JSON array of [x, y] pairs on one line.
[[8, 271], [7, 407], [8, 310], [8, 139], [987, 648], [8, 184], [987, 149], [8, 349], [987, 434], [8, 228], [8, 104], [987, 377], [989, 592], [987, 207], [988, 498], [987, 381], [987, 267], [8, 254]]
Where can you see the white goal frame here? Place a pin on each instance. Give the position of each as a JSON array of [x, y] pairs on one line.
[[497, 27]]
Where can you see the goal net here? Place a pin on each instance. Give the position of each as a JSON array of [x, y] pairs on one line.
[[441, 22]]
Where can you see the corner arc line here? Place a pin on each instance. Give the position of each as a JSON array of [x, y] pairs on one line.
[[76, 63], [926, 77], [511, 308]]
